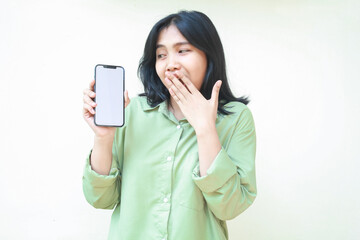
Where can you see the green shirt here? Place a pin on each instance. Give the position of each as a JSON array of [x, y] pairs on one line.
[[155, 185]]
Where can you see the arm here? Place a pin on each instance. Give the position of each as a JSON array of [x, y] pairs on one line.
[[227, 177], [101, 155], [101, 178], [208, 146], [229, 186]]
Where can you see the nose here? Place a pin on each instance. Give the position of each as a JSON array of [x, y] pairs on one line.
[[172, 64]]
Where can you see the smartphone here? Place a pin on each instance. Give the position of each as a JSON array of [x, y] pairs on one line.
[[109, 89]]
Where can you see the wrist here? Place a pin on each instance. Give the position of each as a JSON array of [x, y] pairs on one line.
[[104, 139], [205, 130]]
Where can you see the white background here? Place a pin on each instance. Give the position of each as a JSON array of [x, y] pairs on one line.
[[297, 60]]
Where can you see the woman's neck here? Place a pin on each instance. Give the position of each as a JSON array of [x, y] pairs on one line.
[[175, 109]]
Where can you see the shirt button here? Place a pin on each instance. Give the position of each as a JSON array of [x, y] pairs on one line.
[[178, 126], [169, 158], [166, 200]]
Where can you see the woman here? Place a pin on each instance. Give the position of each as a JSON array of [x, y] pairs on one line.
[[184, 162]]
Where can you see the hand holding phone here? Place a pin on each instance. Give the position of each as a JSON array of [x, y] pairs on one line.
[[109, 99], [89, 111]]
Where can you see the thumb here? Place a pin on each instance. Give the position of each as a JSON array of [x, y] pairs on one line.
[[126, 98], [215, 92]]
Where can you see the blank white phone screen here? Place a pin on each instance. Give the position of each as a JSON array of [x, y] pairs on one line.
[[109, 87]]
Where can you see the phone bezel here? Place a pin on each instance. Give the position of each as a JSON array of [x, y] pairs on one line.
[[123, 114]]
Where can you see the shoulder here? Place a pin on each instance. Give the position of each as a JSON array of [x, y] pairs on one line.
[[137, 103], [240, 113], [134, 109], [237, 109], [138, 100]]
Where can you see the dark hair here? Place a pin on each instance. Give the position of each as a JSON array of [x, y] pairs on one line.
[[198, 29]]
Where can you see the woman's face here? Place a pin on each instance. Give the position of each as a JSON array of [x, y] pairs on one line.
[[175, 53]]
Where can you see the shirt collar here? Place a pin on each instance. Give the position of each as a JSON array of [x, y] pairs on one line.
[[161, 107], [146, 107]]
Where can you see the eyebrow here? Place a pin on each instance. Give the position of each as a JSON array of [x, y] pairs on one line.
[[175, 45]]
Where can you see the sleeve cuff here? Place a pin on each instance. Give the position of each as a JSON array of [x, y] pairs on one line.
[[219, 172], [96, 179]]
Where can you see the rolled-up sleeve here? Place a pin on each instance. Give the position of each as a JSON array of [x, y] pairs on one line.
[[229, 187], [103, 191]]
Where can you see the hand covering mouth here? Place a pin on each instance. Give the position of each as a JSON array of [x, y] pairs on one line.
[[184, 85]]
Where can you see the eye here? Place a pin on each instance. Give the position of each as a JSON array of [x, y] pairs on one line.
[[184, 50], [160, 56]]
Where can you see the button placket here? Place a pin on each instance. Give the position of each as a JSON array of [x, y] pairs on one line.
[[165, 201]]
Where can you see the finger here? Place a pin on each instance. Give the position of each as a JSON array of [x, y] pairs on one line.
[[177, 100], [189, 85], [215, 92], [88, 108], [127, 99], [126, 93], [179, 85], [88, 92], [89, 101], [91, 85], [175, 90]]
